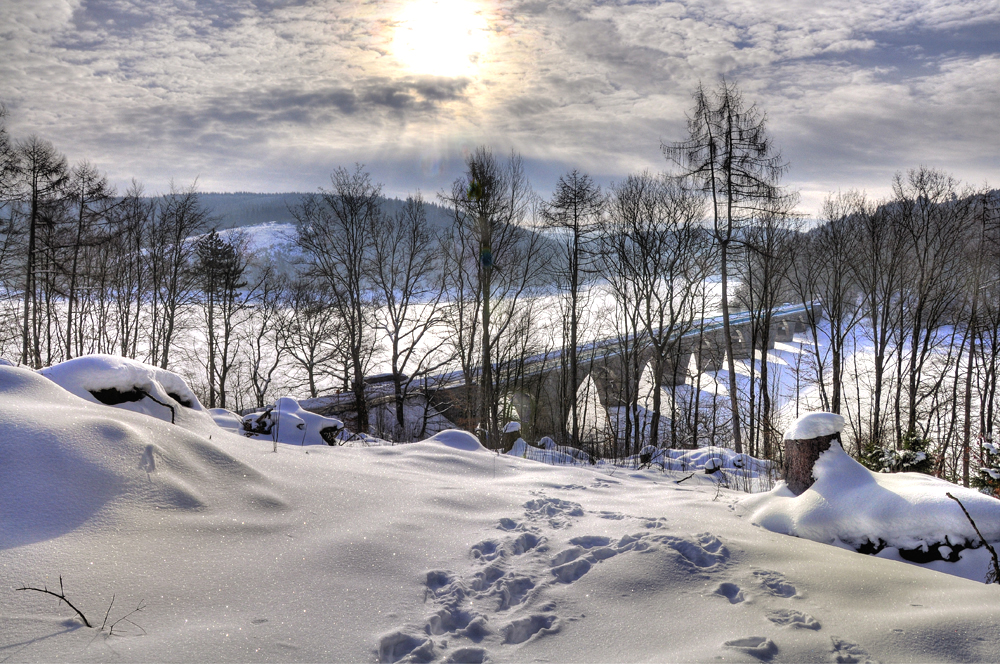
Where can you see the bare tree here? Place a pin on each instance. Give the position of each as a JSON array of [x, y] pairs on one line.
[[406, 275], [730, 155], [91, 195], [261, 335], [311, 332], [335, 230], [128, 267], [171, 248], [43, 174], [763, 269], [934, 219], [575, 210], [222, 270], [492, 202]]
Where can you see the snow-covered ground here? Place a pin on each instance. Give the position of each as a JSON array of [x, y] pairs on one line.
[[437, 551]]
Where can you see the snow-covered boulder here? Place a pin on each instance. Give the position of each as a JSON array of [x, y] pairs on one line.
[[132, 385], [287, 422], [458, 440], [851, 506]]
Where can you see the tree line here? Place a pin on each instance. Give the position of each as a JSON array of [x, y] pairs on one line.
[[902, 322]]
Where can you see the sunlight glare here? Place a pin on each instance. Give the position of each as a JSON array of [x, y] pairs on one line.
[[440, 37]]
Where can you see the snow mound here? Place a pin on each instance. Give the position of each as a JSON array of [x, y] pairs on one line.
[[814, 425], [64, 461], [132, 385], [458, 440], [288, 422], [849, 504], [227, 419]]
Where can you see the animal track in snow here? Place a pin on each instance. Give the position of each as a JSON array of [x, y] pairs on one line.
[[793, 618], [488, 550], [774, 583], [511, 573], [758, 646], [567, 555], [704, 551], [730, 591], [513, 590]]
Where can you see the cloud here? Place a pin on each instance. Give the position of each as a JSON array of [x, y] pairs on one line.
[[271, 93]]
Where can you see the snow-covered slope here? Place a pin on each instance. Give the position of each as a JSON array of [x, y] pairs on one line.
[[436, 551]]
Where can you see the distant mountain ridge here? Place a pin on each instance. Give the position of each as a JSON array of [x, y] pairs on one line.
[[234, 210]]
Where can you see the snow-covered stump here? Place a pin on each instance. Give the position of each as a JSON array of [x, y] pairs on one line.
[[809, 437], [511, 432]]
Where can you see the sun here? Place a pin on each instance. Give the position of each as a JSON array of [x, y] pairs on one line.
[[440, 37]]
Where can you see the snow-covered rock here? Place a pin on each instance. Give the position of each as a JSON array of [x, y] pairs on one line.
[[132, 385], [287, 422], [458, 440]]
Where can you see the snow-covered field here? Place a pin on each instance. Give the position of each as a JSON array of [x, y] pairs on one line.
[[437, 551]]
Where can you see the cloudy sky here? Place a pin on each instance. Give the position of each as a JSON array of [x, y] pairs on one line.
[[271, 95]]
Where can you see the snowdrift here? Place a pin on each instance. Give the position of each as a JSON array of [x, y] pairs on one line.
[[65, 459], [434, 551], [851, 506]]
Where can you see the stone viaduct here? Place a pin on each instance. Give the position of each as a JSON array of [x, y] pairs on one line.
[[540, 395]]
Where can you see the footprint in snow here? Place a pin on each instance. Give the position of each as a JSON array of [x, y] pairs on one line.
[[571, 571], [845, 652], [396, 645], [468, 656], [730, 591], [758, 646], [774, 583], [521, 630], [792, 618], [555, 511]]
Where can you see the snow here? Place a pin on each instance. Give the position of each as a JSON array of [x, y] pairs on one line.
[[511, 427], [227, 419], [435, 551], [814, 425], [849, 505]]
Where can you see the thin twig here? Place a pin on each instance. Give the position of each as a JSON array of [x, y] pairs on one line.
[[125, 618], [108, 612], [62, 596], [993, 552], [686, 478]]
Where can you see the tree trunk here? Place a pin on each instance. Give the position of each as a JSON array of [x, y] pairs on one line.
[[800, 457]]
